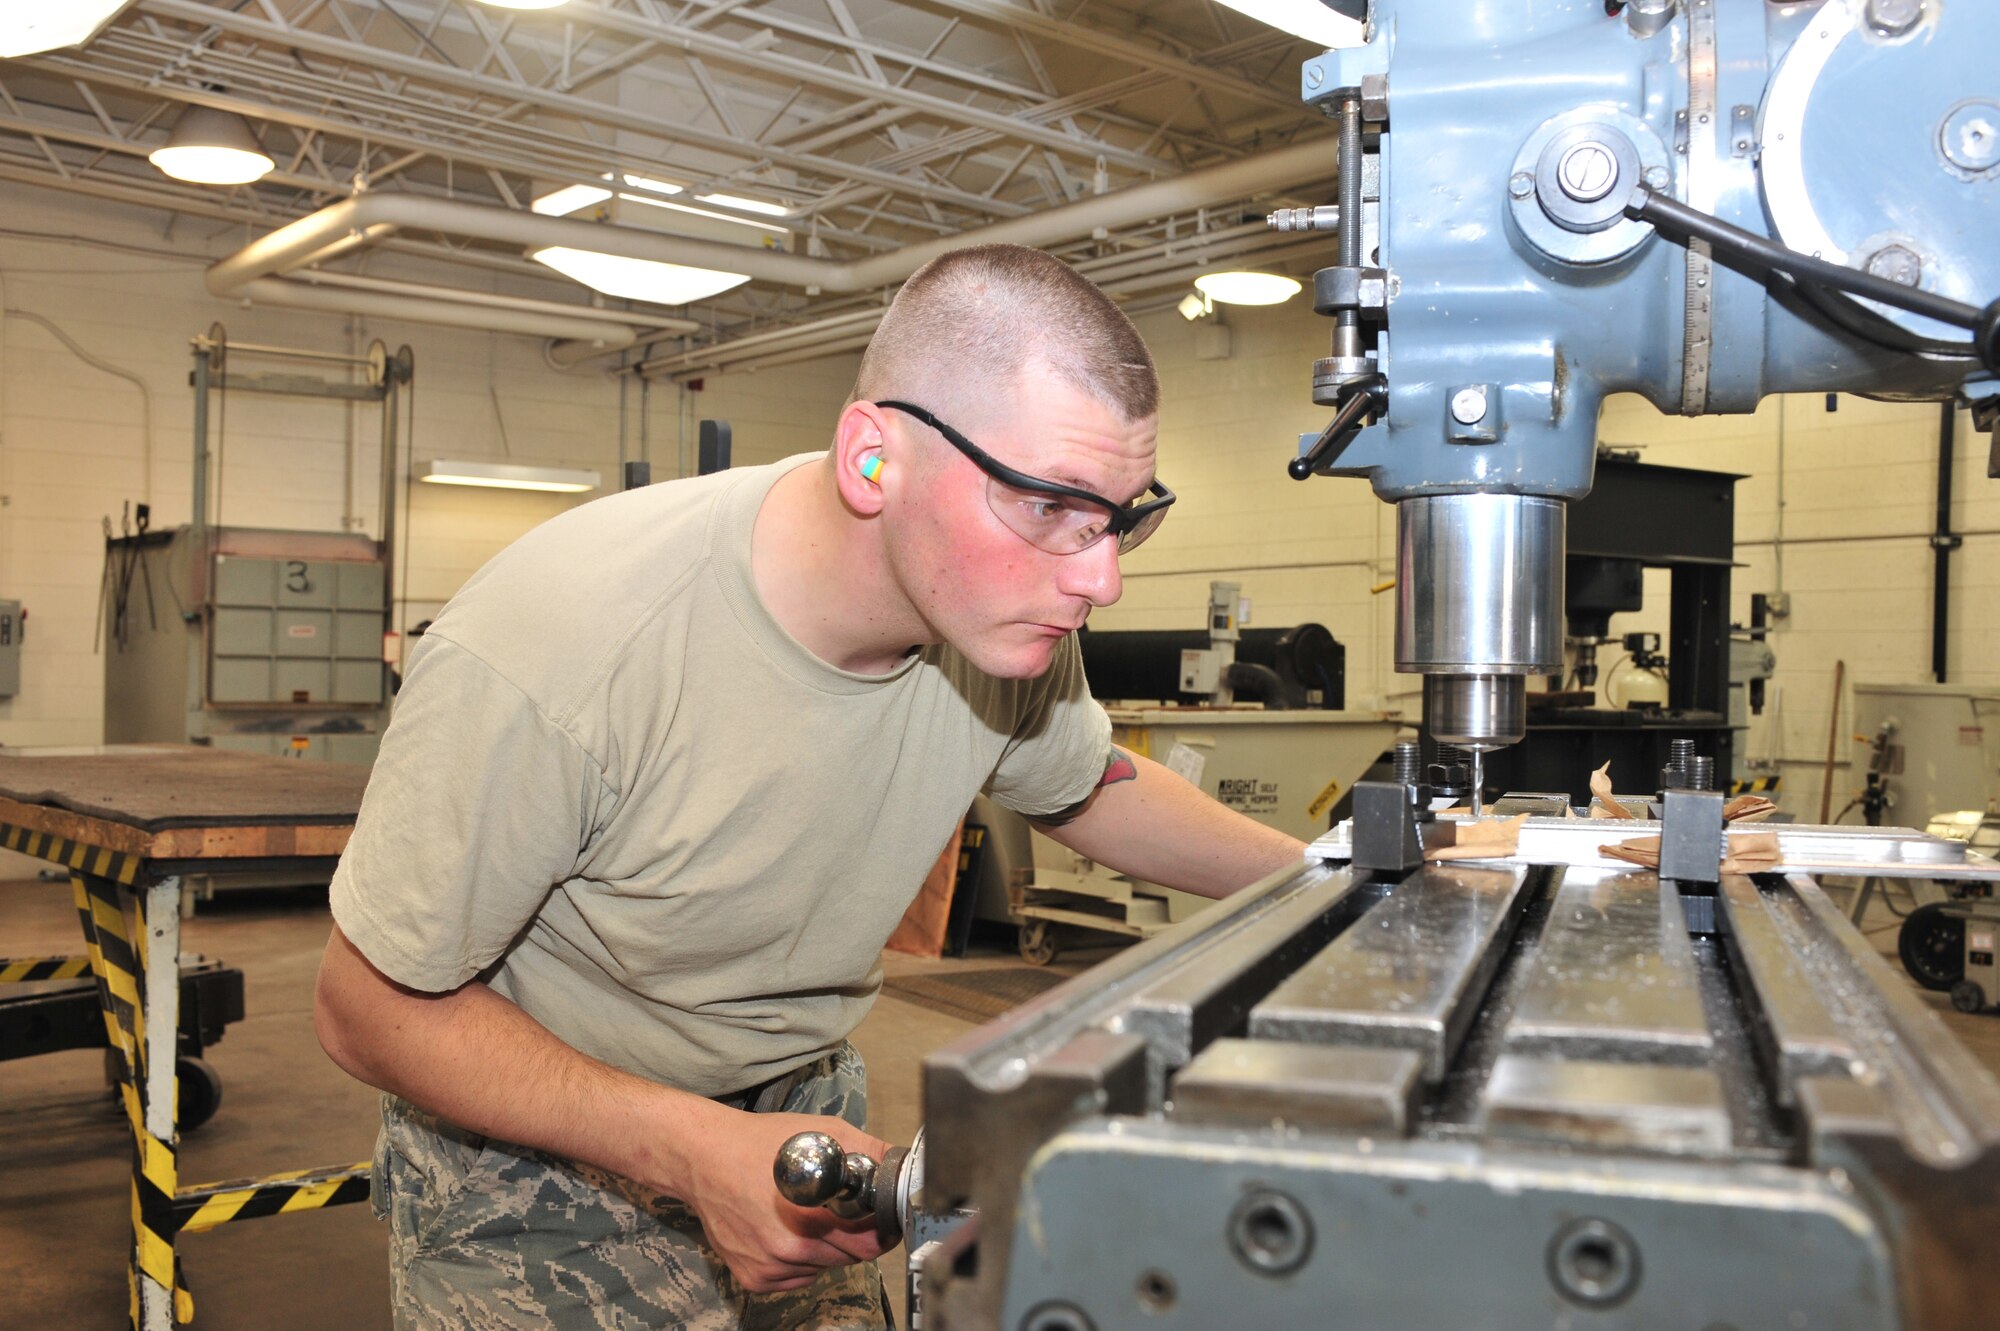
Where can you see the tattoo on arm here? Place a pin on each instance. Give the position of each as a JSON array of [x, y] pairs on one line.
[[1118, 766]]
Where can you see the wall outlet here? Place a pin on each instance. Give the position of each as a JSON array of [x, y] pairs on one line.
[[1778, 604]]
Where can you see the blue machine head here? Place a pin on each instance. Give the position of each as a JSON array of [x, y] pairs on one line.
[[1700, 201]]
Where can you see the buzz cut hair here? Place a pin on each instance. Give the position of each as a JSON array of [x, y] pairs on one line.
[[969, 324]]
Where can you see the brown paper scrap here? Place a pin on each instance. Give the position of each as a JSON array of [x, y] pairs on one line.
[[1756, 852], [1487, 839], [1607, 805], [1748, 809]]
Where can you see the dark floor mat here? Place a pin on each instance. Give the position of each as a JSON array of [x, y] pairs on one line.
[[974, 995]]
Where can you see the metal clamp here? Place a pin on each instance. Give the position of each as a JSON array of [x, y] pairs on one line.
[[1691, 838], [1385, 828]]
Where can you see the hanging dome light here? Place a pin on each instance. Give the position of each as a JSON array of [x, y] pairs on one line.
[[1247, 288], [211, 147]]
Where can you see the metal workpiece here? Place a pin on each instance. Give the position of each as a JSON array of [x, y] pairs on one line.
[[1614, 977], [1881, 852], [1409, 976], [1480, 587]]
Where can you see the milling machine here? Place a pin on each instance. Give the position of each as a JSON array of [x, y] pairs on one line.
[[1550, 1088]]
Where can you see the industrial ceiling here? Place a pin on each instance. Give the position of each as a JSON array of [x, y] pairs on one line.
[[847, 130]]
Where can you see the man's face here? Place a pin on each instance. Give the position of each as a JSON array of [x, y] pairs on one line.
[[980, 586]]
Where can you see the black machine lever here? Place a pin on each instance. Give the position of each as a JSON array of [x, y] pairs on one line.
[[1365, 398]]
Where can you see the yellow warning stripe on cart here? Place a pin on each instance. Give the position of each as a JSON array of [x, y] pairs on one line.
[[1762, 785], [22, 970], [208, 1205], [94, 860]]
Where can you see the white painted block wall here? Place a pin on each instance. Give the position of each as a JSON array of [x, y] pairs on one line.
[[76, 442], [1858, 491], [74, 446]]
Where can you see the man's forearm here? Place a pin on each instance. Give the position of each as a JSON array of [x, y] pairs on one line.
[[476, 1059], [1157, 827]]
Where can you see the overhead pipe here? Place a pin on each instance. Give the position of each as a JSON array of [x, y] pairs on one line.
[[665, 324], [430, 309], [292, 245], [1119, 270], [852, 331]]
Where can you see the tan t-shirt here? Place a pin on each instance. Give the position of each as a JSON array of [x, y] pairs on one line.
[[619, 792]]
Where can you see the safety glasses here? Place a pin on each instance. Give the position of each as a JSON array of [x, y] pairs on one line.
[[1060, 519]]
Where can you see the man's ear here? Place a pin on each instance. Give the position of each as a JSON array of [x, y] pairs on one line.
[[861, 465]]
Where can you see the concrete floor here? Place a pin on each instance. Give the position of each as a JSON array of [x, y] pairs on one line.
[[64, 1151]]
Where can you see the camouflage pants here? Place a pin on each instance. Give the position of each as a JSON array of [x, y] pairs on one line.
[[488, 1236]]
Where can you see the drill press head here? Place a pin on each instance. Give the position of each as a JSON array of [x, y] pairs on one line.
[[1479, 608]]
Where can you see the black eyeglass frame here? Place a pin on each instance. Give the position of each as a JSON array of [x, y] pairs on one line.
[[1122, 517]]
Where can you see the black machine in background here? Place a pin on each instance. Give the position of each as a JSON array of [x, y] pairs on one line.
[[1637, 516], [1290, 668]]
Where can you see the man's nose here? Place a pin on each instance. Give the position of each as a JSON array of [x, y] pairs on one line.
[[1093, 573]]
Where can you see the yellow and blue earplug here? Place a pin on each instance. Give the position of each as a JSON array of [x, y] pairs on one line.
[[871, 468]]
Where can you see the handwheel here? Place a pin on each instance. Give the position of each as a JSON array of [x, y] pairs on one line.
[[1967, 996], [1038, 942], [1932, 945], [200, 1092]]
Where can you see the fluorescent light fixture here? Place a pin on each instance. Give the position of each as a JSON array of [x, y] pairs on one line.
[[638, 279], [28, 27], [524, 4], [1309, 19], [657, 186], [742, 204], [1247, 288], [671, 206], [569, 199], [1194, 305], [507, 476], [211, 147]]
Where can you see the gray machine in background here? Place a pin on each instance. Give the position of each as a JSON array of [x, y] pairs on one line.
[[1933, 756], [1554, 1089], [1183, 698], [257, 640]]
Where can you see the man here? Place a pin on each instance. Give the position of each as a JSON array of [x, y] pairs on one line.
[[663, 778]]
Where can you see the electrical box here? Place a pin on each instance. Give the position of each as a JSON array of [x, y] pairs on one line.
[[10, 648]]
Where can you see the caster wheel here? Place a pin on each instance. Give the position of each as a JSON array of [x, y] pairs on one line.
[[1932, 946], [1967, 996], [1038, 942], [200, 1092]]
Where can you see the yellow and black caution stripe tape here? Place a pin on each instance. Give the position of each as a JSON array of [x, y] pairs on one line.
[[1761, 785], [207, 1205], [154, 1220], [94, 860], [119, 969], [21, 970]]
